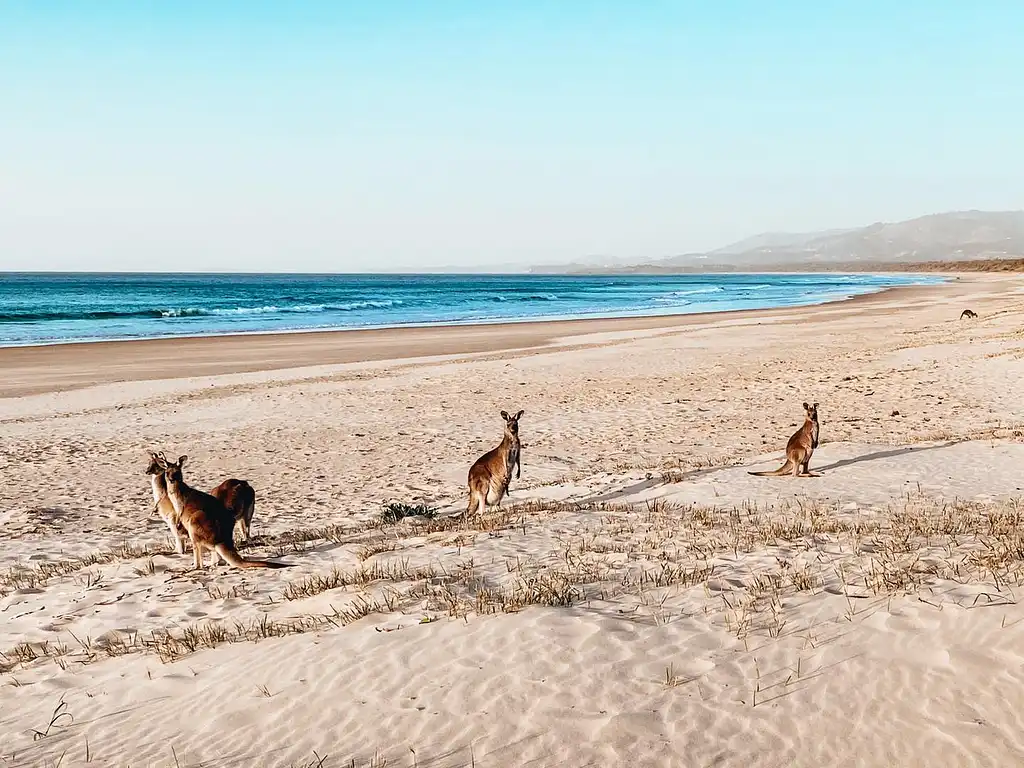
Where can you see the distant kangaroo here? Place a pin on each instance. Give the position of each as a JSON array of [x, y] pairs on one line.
[[209, 523], [236, 495], [491, 474], [799, 448], [968, 313]]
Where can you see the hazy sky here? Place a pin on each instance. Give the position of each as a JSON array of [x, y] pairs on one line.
[[336, 136]]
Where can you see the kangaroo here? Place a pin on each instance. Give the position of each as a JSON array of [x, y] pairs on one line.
[[490, 475], [799, 448], [240, 498], [236, 495], [162, 503], [968, 313], [209, 523]]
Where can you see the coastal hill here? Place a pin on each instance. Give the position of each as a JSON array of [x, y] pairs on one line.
[[943, 237]]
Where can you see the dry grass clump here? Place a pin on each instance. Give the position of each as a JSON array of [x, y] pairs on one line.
[[385, 577], [173, 644], [684, 469], [333, 533], [805, 547], [500, 519], [744, 567], [20, 577], [670, 575], [1007, 431], [237, 591], [24, 577], [552, 588], [376, 547], [390, 571]]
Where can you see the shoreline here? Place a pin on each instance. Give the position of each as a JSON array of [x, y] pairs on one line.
[[38, 369], [486, 322], [831, 294]]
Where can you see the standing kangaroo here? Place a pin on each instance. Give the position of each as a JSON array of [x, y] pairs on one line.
[[209, 523], [162, 502], [491, 474], [236, 495], [240, 498], [799, 448]]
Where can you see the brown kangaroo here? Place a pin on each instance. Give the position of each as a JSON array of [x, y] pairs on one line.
[[236, 495], [968, 313], [799, 448], [240, 498], [490, 475], [209, 523], [162, 503]]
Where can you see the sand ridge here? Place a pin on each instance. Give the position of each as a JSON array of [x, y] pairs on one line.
[[638, 600]]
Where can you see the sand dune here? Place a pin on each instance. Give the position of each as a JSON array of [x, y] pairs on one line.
[[639, 600]]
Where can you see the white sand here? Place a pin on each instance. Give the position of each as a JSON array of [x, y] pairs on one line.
[[865, 617]]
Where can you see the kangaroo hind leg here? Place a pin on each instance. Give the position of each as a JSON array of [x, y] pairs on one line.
[[807, 469]]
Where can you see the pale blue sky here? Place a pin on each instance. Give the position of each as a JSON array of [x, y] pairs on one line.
[[350, 136]]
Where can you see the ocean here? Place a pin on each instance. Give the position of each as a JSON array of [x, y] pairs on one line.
[[47, 308]]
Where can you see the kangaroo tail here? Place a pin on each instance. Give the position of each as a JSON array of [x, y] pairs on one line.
[[235, 559], [785, 469]]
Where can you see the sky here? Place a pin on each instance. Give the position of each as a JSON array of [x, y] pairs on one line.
[[353, 136]]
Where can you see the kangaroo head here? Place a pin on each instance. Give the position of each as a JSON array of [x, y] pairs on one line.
[[172, 471], [511, 423], [157, 463], [812, 412]]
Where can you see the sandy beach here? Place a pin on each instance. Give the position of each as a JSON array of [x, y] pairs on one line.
[[640, 599]]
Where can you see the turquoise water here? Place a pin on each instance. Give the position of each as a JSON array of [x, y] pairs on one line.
[[50, 308]]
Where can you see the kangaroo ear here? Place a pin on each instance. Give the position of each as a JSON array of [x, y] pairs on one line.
[[504, 415], [806, 407], [815, 406], [519, 415], [182, 460]]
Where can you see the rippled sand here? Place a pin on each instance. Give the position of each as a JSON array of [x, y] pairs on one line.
[[640, 599]]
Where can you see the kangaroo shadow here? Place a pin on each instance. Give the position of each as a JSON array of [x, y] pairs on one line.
[[51, 516], [884, 455], [644, 485]]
